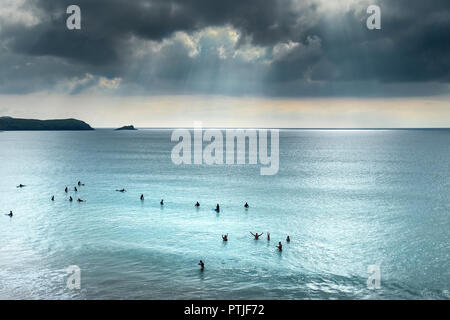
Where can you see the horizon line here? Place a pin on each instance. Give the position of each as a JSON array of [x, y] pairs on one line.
[[291, 128]]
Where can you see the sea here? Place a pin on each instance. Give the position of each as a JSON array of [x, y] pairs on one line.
[[367, 211]]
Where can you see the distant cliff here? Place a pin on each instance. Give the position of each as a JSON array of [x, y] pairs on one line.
[[15, 124], [130, 127]]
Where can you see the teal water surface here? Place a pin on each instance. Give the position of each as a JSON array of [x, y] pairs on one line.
[[348, 199]]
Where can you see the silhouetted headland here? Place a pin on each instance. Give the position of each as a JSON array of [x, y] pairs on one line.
[[16, 124]]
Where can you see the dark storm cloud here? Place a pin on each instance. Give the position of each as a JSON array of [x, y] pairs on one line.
[[107, 22], [299, 47], [413, 44]]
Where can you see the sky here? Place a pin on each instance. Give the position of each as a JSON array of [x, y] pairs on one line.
[[234, 63]]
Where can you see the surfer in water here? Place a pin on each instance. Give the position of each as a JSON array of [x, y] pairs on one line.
[[246, 205], [10, 214], [121, 190], [256, 235], [79, 200], [66, 190], [70, 199], [162, 202], [268, 236], [80, 184], [20, 186], [53, 198], [288, 239], [75, 189], [142, 197], [201, 264], [217, 208], [197, 204], [280, 246], [225, 237]]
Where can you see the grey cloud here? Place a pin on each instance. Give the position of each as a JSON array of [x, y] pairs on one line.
[[325, 52]]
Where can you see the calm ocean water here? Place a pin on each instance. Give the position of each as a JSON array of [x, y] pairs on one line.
[[348, 199]]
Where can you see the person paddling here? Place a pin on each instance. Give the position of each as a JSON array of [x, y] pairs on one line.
[[79, 200], [217, 208], [280, 246], [10, 214]]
